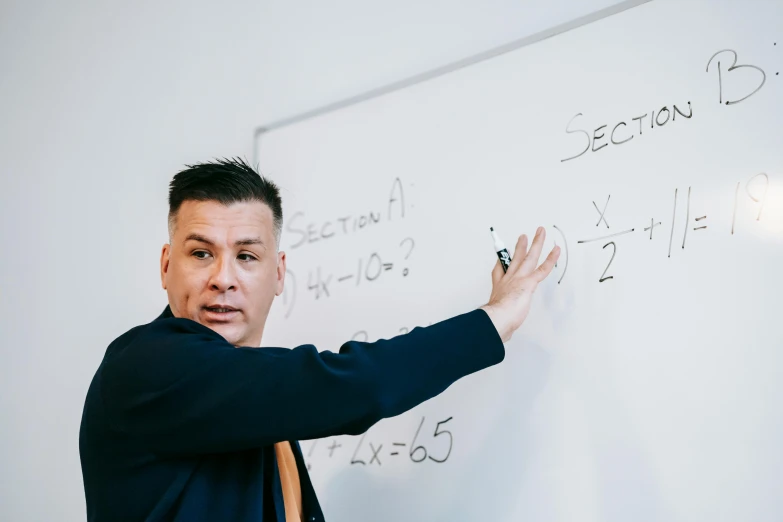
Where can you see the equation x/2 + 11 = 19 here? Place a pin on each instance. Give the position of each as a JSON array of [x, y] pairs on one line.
[[756, 189]]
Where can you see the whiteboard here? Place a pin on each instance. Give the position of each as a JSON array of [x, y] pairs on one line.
[[647, 382]]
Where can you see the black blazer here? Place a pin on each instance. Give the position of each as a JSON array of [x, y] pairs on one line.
[[179, 425]]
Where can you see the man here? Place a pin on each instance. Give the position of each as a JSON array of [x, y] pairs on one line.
[[187, 419]]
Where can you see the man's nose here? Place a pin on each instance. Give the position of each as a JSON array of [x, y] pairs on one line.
[[223, 275]]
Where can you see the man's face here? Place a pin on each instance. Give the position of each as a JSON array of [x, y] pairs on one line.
[[224, 256]]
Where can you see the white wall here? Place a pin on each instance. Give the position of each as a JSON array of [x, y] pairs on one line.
[[100, 104]]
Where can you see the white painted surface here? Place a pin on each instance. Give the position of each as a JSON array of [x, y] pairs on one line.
[[651, 396], [100, 103]]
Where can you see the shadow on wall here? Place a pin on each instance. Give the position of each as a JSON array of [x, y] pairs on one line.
[[625, 481], [480, 488], [489, 484], [486, 485]]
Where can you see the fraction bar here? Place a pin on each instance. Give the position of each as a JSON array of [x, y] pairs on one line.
[[606, 237]]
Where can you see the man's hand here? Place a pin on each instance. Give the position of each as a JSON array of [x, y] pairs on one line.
[[512, 291]]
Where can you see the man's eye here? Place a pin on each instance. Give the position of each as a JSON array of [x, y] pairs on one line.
[[247, 257], [199, 253]]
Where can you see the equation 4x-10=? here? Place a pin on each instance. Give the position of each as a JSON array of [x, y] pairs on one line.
[[368, 269]]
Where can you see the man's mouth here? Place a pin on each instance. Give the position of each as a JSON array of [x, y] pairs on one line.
[[220, 309]]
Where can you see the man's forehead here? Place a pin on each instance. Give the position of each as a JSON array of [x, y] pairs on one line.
[[245, 215], [214, 209]]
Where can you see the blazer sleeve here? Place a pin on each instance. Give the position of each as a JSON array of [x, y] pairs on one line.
[[179, 387]]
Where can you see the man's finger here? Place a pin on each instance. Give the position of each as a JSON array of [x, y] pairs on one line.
[[497, 273], [531, 259], [546, 267], [519, 253]]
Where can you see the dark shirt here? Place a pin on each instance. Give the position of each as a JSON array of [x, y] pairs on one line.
[[179, 425]]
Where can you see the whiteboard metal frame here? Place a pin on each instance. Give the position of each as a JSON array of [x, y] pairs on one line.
[[442, 70]]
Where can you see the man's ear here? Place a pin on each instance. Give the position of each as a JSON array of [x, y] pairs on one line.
[[164, 264], [280, 272]]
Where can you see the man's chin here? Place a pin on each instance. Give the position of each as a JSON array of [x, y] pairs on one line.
[[228, 331]]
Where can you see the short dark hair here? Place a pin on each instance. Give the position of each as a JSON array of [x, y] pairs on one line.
[[226, 181]]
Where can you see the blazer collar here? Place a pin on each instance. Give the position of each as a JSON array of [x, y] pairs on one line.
[[166, 313]]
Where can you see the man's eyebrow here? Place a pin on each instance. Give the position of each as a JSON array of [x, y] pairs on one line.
[[239, 242], [199, 238], [249, 241]]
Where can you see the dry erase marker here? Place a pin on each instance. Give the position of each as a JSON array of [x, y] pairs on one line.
[[500, 248]]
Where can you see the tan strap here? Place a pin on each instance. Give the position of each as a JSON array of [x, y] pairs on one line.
[[289, 479]]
